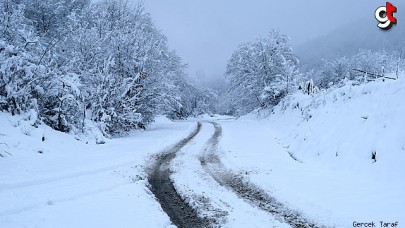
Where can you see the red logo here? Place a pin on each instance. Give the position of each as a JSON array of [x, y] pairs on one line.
[[385, 16]]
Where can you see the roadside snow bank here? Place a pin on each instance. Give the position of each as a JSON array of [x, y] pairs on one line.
[[333, 135], [346, 126]]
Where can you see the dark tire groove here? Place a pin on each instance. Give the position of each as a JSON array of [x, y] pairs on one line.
[[180, 212], [246, 190]]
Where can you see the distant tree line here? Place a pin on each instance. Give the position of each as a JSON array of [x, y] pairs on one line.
[[364, 66]]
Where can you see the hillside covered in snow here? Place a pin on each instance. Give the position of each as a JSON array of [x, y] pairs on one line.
[[337, 154]]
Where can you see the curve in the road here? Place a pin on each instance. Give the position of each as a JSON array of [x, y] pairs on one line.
[[181, 214], [246, 190]]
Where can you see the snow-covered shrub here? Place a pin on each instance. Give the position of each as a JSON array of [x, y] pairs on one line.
[[26, 129]]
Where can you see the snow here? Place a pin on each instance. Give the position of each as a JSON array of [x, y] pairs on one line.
[[313, 153], [333, 134], [104, 69], [63, 182], [194, 183]]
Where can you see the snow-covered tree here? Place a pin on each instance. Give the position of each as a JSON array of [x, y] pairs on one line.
[[261, 72], [72, 61], [20, 76]]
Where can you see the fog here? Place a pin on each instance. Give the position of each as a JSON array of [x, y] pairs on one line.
[[205, 33]]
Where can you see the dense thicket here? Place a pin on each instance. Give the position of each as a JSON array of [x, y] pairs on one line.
[[72, 63]]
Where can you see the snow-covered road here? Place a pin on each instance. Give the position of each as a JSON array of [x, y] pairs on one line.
[[179, 211], [239, 174], [245, 189], [210, 199], [196, 190], [215, 171]]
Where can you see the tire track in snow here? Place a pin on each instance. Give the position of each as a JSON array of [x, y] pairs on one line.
[[180, 213], [246, 190]]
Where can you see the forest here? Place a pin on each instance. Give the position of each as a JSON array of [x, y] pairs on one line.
[[80, 66]]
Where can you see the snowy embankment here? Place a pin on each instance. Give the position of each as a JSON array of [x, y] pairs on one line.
[[315, 153], [50, 179]]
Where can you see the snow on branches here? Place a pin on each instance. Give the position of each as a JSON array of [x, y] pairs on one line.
[[261, 72]]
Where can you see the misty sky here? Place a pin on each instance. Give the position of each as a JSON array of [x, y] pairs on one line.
[[205, 33]]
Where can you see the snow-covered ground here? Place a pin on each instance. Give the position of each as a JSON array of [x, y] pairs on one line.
[[63, 182], [311, 153], [333, 135]]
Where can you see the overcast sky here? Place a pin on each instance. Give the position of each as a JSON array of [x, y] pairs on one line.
[[206, 32]]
